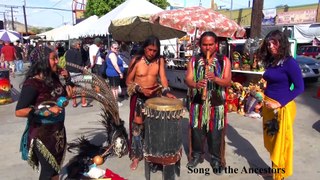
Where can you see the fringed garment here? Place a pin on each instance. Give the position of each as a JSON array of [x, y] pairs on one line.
[[280, 146], [47, 134], [211, 112]]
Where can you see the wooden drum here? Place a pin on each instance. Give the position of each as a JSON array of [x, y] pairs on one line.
[[163, 136]]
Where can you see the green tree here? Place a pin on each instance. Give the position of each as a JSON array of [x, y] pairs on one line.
[[163, 4], [102, 7]]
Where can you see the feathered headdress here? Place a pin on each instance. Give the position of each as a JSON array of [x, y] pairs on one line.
[[117, 138]]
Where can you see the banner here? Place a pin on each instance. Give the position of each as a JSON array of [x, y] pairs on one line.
[[297, 17], [269, 16], [79, 14]]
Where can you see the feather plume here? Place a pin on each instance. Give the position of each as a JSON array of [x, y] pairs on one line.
[[116, 133]]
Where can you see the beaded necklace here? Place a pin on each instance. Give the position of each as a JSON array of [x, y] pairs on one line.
[[147, 62]]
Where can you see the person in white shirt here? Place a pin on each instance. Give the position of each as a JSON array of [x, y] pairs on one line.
[[94, 55]]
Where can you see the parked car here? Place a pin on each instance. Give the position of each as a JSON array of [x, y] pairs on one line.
[[310, 67], [311, 51]]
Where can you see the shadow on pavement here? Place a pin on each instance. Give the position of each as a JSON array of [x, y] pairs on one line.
[[185, 136], [316, 126], [245, 149], [309, 98]]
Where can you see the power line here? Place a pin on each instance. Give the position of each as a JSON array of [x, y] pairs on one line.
[[34, 7]]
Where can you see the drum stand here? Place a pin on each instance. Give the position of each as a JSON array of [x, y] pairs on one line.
[[168, 171]]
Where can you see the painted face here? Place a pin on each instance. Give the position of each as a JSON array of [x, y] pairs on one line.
[[150, 51], [273, 46], [53, 61], [208, 45]]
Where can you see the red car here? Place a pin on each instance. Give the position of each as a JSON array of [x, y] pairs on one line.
[[311, 51]]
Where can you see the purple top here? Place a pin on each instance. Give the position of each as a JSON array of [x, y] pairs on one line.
[[279, 79]]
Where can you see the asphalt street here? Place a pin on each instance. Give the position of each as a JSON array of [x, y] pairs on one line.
[[244, 142]]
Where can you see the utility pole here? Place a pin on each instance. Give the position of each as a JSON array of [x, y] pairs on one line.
[[318, 12], [25, 17], [231, 7], [12, 22], [12, 17], [256, 18], [4, 20]]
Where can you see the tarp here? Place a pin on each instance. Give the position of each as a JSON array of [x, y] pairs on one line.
[[306, 33], [126, 9], [82, 29], [57, 34]]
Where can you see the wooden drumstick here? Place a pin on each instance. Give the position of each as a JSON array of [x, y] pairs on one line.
[[205, 91], [99, 159]]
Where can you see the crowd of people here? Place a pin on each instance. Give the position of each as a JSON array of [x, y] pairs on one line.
[[207, 77]]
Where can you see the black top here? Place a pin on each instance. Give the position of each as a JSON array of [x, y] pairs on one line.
[[74, 56], [19, 52]]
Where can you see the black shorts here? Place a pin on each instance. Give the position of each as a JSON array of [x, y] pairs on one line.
[[114, 81]]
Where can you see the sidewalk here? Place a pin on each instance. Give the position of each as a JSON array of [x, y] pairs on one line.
[[244, 143]]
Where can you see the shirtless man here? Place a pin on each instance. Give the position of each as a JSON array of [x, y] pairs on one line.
[[142, 82]]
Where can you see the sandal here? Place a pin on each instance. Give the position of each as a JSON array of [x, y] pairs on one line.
[[134, 164], [86, 105], [75, 105]]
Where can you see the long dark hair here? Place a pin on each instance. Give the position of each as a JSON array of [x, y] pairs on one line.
[[151, 40], [41, 65], [264, 54]]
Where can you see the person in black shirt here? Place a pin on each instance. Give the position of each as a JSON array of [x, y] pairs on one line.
[[73, 55], [42, 101], [19, 56]]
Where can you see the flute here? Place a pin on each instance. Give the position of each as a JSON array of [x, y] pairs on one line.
[[205, 91]]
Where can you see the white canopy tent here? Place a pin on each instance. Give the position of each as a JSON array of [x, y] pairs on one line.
[[306, 33], [83, 28], [127, 9], [58, 34]]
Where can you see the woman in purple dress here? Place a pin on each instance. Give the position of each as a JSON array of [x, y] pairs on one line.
[[279, 111]]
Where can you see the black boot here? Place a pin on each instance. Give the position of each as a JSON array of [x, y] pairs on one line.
[[216, 167], [195, 161]]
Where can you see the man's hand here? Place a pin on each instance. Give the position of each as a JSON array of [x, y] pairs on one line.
[[210, 76], [150, 92], [201, 84], [169, 95]]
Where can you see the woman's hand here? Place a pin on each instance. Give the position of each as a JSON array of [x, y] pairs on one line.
[[272, 105], [121, 76], [69, 90], [55, 110], [64, 73]]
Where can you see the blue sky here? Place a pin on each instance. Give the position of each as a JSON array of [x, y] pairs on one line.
[[55, 18]]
